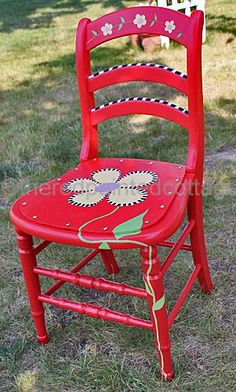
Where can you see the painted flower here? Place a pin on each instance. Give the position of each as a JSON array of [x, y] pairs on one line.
[[140, 20], [169, 26], [107, 29], [108, 183]]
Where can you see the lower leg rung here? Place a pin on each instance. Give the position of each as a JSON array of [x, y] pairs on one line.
[[78, 267], [91, 282], [96, 311]]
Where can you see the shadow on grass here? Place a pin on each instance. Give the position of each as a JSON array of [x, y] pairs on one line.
[[55, 97], [20, 14], [221, 23], [59, 127], [227, 104], [101, 58]]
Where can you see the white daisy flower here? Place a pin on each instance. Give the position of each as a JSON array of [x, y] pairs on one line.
[[107, 29], [169, 26], [108, 183], [140, 20]]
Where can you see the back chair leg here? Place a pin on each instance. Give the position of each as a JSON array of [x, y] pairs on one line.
[[156, 297], [28, 262], [197, 238], [109, 261]]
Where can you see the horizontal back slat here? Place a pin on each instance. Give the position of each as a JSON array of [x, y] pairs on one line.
[[140, 105], [186, 30], [138, 20], [138, 72]]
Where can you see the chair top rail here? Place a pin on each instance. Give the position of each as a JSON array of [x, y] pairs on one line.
[[139, 20]]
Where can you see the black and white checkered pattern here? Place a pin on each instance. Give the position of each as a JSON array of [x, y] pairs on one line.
[[182, 75], [144, 99]]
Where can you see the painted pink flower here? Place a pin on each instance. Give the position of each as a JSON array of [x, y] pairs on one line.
[[140, 20], [169, 26], [107, 29]]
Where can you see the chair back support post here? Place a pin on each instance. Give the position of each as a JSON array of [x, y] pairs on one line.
[[89, 148], [195, 98]]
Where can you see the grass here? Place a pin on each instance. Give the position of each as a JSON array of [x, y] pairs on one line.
[[40, 139]]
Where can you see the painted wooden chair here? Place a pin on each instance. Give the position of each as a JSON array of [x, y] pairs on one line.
[[111, 203]]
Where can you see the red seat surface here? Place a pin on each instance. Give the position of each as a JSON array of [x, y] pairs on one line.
[[106, 198]]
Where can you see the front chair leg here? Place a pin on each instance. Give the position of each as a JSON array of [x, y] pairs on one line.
[[156, 297], [28, 262]]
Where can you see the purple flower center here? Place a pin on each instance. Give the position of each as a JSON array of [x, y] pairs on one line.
[[107, 187]]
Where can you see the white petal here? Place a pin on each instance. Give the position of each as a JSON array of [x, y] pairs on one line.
[[127, 196], [138, 178], [105, 175], [79, 185], [86, 199]]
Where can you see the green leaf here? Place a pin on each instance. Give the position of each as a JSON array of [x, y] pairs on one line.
[[120, 26], [147, 288], [94, 32], [159, 304], [122, 19], [152, 23], [129, 227], [179, 35], [104, 245]]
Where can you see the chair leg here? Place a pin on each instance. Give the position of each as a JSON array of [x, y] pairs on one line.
[[197, 238], [156, 297], [109, 261], [28, 262]]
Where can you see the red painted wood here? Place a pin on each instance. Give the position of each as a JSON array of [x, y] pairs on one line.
[[109, 261], [89, 148], [169, 244], [183, 295], [47, 207], [78, 267], [177, 246], [41, 246], [197, 239], [154, 234], [129, 28], [135, 73], [47, 214], [90, 282], [97, 312], [154, 282], [189, 30], [28, 263], [136, 107]]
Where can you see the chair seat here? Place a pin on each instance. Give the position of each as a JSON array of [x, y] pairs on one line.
[[107, 200]]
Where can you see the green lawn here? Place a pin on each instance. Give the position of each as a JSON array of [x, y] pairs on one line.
[[40, 139]]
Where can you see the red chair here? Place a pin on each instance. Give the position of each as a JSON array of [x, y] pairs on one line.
[[110, 203]]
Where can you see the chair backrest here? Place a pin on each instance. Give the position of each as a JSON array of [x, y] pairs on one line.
[[186, 6], [150, 21]]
